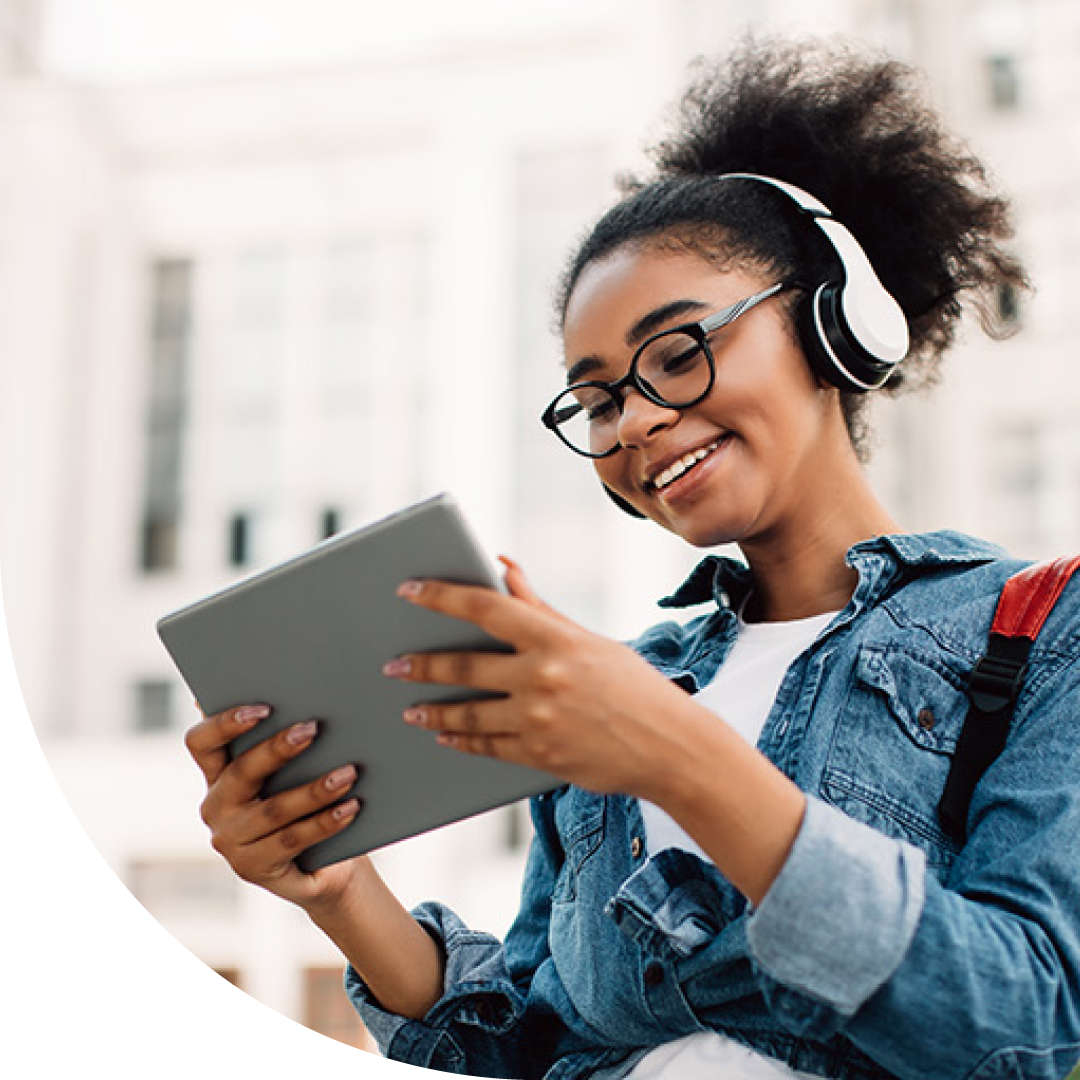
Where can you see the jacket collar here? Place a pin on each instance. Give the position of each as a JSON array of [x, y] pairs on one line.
[[727, 581]]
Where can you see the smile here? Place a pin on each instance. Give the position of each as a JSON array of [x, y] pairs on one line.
[[682, 466]]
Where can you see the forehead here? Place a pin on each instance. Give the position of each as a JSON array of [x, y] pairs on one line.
[[617, 290]]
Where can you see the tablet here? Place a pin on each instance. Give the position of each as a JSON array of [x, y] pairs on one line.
[[310, 636]]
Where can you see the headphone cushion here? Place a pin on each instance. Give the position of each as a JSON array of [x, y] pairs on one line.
[[832, 349]]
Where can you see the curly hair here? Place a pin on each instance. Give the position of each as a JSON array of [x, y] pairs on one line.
[[853, 130]]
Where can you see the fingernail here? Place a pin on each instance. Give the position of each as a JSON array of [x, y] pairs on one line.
[[347, 809], [299, 734], [339, 778], [409, 589], [250, 714], [415, 716], [400, 666]]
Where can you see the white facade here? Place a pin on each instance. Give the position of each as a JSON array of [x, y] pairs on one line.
[[351, 270]]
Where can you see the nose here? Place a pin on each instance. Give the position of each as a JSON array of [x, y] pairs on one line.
[[642, 420]]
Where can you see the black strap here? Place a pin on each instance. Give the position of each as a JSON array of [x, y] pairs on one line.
[[993, 689]]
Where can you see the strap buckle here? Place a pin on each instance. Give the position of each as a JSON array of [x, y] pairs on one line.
[[995, 680]]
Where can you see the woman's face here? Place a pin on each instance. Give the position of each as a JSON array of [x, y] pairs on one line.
[[759, 446]]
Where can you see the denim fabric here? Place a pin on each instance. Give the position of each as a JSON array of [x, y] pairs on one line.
[[882, 949]]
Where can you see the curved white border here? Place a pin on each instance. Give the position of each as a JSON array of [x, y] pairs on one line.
[[91, 979]]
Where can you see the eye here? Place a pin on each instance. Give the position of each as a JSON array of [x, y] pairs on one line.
[[670, 357], [601, 410], [685, 354]]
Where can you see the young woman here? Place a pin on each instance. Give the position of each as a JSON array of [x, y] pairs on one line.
[[745, 875]]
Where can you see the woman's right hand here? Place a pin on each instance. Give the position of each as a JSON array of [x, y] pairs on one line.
[[260, 837]]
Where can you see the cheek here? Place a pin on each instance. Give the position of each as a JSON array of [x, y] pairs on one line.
[[608, 472]]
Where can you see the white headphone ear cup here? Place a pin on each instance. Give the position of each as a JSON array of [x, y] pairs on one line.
[[869, 316], [853, 331], [832, 350]]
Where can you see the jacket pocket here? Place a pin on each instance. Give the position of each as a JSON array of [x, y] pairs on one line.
[[893, 744], [579, 818]]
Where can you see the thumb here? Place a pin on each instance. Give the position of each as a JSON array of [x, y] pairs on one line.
[[518, 586]]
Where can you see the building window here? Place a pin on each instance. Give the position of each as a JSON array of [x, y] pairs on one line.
[[241, 539], [257, 349], [555, 191], [350, 290], [517, 827], [1003, 73], [329, 522], [154, 705], [166, 413], [158, 545], [327, 1010]]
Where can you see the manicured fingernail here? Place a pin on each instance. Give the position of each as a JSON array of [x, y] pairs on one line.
[[349, 808], [409, 589], [251, 714], [415, 716], [400, 666], [339, 778], [299, 734], [446, 740]]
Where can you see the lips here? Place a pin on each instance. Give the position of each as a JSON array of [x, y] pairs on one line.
[[680, 466]]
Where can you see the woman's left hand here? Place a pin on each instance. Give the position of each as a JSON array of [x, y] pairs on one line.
[[577, 705]]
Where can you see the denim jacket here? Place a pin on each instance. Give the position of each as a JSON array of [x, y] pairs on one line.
[[882, 949]]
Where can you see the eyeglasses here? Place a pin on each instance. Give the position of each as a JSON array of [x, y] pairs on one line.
[[674, 369]]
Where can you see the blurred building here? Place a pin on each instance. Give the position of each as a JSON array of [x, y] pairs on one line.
[[239, 314]]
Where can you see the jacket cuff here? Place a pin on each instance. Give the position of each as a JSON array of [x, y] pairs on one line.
[[477, 992], [838, 920]]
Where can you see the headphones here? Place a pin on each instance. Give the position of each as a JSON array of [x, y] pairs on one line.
[[853, 332]]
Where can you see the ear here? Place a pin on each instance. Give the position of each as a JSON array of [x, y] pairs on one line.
[[622, 504]]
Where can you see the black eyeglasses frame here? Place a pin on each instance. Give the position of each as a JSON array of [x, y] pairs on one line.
[[699, 330]]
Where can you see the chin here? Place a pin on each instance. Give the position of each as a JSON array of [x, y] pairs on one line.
[[701, 534]]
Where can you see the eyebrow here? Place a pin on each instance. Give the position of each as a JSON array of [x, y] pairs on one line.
[[648, 324]]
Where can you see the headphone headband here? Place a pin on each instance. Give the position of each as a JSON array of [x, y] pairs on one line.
[[856, 333]]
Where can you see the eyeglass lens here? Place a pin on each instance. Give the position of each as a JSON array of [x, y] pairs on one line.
[[671, 369]]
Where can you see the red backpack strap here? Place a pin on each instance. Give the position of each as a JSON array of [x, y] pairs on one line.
[[994, 685], [1029, 596]]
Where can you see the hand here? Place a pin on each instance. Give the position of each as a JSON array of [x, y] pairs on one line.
[[259, 838], [575, 704]]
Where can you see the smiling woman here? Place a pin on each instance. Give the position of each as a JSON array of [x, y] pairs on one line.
[[744, 874]]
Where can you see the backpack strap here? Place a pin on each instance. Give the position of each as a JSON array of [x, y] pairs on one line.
[[994, 685]]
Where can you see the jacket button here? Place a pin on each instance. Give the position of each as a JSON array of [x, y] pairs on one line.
[[636, 847], [653, 975], [927, 719]]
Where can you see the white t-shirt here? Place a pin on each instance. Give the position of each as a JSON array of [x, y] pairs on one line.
[[742, 693]]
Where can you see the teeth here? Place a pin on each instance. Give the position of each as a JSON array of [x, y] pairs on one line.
[[675, 470]]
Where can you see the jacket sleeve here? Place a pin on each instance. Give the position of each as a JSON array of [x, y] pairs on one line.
[[976, 977], [490, 1020]]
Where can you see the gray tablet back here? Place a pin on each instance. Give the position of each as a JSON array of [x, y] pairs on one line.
[[310, 637]]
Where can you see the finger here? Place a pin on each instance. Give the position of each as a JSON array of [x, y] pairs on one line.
[[207, 741], [271, 857], [240, 783], [474, 670], [518, 585], [265, 817], [491, 718], [504, 617], [500, 747]]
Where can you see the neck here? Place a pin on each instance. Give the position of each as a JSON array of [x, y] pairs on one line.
[[799, 568]]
